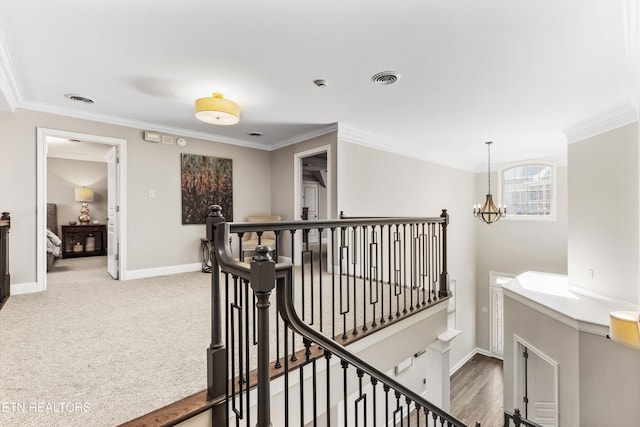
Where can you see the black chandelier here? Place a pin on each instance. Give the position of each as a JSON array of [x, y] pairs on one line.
[[489, 213]]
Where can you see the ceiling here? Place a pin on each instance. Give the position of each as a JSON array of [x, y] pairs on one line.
[[513, 71]]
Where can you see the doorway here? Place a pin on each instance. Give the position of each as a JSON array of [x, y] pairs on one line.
[[536, 384], [114, 156], [312, 191]]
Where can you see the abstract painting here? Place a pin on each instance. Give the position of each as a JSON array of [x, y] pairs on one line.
[[205, 181]]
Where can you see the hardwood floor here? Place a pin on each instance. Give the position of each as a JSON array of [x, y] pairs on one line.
[[476, 392]]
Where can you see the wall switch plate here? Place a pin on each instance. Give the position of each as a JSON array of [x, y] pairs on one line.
[[167, 139]]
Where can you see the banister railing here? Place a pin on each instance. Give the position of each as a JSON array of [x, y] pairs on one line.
[[414, 264], [365, 272], [517, 419]]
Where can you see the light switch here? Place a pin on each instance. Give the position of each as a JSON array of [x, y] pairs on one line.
[[152, 194]]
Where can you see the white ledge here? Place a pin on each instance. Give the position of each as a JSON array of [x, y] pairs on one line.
[[552, 295], [449, 335]]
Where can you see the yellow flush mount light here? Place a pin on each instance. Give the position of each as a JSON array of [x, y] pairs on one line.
[[625, 328], [217, 110]]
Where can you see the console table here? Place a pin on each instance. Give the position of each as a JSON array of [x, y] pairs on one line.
[[83, 240]]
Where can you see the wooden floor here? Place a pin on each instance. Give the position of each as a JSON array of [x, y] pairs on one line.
[[476, 392]]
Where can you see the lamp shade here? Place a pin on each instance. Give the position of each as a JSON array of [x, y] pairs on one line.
[[217, 110], [625, 328], [83, 194]]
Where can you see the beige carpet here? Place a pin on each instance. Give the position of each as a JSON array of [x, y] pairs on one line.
[[92, 351]]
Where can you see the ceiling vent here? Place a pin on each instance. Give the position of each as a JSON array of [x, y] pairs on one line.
[[78, 98], [385, 77]]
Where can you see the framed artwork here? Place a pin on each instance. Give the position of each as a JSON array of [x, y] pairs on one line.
[[205, 181]]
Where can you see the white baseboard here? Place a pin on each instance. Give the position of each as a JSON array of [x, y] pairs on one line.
[[24, 288], [162, 271], [468, 357]]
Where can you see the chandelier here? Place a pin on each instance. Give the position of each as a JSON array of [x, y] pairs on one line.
[[488, 212]]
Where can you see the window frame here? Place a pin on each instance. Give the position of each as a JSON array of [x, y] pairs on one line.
[[554, 192], [496, 280]]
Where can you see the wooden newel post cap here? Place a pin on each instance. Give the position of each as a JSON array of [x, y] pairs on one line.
[[215, 210], [262, 253]]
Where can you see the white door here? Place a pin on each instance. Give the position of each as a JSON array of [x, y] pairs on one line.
[[537, 387], [113, 245], [542, 405], [310, 201]]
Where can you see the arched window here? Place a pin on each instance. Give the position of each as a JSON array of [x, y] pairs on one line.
[[527, 191]]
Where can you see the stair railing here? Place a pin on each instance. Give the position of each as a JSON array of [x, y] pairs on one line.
[[242, 291]]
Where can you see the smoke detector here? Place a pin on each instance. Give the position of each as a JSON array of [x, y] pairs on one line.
[[385, 77]]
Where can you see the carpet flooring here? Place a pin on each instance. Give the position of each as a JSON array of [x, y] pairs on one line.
[[92, 351]]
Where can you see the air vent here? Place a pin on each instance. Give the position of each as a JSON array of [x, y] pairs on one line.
[[385, 77], [78, 98]]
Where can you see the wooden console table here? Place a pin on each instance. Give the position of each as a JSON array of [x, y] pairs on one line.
[[83, 240]]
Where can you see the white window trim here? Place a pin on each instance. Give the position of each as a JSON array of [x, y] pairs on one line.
[[554, 192], [494, 286]]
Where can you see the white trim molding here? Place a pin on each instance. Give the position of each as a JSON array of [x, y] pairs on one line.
[[612, 118], [163, 271], [9, 88]]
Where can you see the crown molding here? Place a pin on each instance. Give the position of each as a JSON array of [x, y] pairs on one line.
[[366, 139], [333, 127], [612, 118], [138, 124], [9, 88]]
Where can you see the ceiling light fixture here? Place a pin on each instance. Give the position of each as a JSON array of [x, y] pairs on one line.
[[489, 213], [625, 328], [217, 111]]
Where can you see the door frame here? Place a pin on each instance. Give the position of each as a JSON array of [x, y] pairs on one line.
[[41, 195], [298, 187], [517, 377]]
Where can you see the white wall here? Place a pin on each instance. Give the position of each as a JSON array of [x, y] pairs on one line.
[[514, 246], [378, 183], [156, 236], [64, 175], [603, 213]]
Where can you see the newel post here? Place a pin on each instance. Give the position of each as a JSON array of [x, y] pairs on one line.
[[444, 276], [216, 353], [263, 276]]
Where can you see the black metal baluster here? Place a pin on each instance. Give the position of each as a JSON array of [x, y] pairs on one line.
[[327, 357], [362, 398], [293, 290], [373, 276], [345, 365], [386, 389], [364, 280], [404, 267], [343, 311], [333, 282], [374, 406], [286, 377], [354, 239], [381, 262], [246, 350], [320, 274], [412, 262]]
